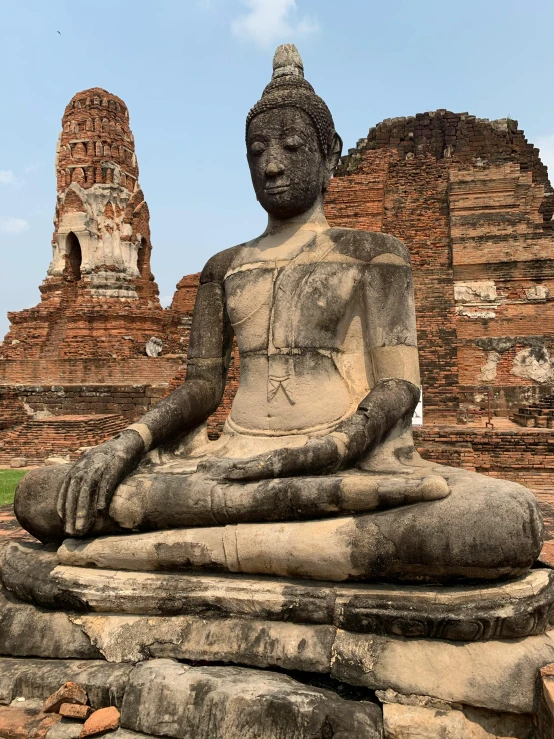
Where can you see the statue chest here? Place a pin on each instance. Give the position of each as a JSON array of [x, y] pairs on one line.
[[287, 309]]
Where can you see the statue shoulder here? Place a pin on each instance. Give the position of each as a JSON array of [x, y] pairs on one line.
[[216, 267], [367, 245]]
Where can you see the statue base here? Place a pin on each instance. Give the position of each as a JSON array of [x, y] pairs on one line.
[[411, 653]]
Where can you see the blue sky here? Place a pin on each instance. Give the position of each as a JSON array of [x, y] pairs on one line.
[[189, 70]]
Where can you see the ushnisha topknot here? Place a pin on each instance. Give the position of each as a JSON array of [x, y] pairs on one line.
[[288, 88]]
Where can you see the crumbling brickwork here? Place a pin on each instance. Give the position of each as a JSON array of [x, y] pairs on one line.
[[472, 201], [99, 301], [99, 298]]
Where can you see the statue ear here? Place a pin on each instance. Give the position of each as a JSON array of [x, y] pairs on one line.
[[335, 151]]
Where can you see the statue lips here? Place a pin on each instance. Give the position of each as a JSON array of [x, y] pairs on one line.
[[275, 189]]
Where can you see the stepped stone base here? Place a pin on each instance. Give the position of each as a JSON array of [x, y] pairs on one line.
[[451, 659], [518, 608], [499, 674]]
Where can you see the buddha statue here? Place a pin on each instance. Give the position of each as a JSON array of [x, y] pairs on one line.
[[315, 474]]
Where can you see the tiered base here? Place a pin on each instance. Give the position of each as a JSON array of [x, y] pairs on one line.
[[470, 653]]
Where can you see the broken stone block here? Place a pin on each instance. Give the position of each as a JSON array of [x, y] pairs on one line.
[[68, 693], [235, 702], [406, 722], [105, 719], [537, 293], [17, 462], [475, 291], [75, 710], [56, 460]]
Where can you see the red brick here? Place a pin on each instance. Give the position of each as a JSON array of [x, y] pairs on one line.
[[68, 693], [105, 719]]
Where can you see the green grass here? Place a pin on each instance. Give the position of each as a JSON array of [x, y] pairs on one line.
[[8, 483]]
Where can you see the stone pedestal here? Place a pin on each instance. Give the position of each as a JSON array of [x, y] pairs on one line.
[[463, 661]]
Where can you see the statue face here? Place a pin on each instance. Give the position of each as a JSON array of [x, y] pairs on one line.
[[287, 168]]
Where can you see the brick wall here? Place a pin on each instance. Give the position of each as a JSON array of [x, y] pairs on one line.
[[524, 457], [472, 201]]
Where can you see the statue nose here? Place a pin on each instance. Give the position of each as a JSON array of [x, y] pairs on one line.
[[273, 169]]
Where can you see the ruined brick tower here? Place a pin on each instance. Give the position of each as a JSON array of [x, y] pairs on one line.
[[99, 287], [74, 369], [472, 201]]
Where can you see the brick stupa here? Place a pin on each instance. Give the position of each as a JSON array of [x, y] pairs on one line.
[[74, 369], [99, 298]]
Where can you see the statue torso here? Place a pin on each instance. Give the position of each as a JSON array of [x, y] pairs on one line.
[[295, 307]]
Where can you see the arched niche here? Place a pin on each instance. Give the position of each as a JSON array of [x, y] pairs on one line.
[[74, 254], [142, 258]]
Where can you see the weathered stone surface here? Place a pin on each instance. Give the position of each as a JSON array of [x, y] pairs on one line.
[[415, 542], [29, 631], [251, 642], [545, 714], [469, 673], [499, 675], [68, 693], [65, 729], [25, 570], [229, 703], [407, 722], [501, 610], [102, 720], [167, 593], [104, 683]]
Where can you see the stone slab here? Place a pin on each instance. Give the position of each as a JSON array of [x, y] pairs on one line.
[[103, 682], [249, 642], [232, 703], [29, 631], [408, 722], [492, 611], [499, 675]]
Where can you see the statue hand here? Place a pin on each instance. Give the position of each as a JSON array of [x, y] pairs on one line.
[[93, 478], [317, 457]]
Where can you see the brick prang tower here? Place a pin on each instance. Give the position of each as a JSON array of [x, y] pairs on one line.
[[99, 288]]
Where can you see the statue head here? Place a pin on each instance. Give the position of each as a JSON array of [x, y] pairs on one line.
[[292, 145]]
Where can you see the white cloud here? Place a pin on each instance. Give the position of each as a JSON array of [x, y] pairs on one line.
[[546, 146], [9, 225], [272, 21], [7, 177]]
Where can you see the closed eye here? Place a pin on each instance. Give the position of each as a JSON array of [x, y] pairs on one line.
[[293, 142], [257, 147]]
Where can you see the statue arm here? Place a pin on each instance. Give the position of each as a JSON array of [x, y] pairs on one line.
[[389, 308], [209, 355], [92, 480]]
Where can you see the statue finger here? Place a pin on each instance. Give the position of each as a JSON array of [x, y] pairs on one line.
[[106, 487], [62, 496], [86, 501], [71, 499], [257, 468]]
